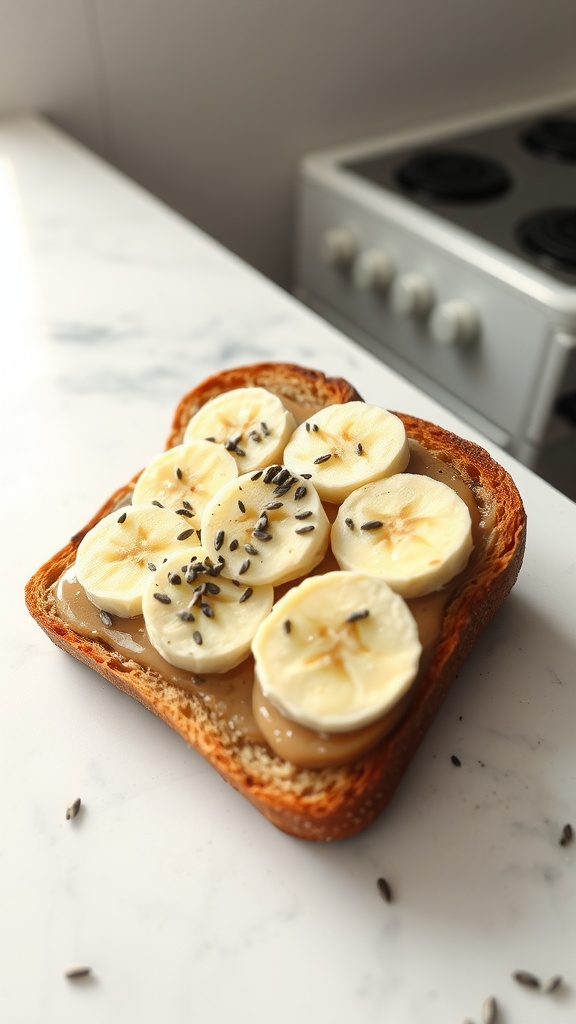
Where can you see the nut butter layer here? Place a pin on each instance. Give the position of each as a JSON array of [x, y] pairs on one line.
[[325, 803]]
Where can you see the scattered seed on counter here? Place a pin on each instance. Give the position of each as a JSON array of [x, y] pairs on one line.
[[553, 984], [489, 1011], [456, 760], [526, 978], [567, 835], [77, 971], [385, 890], [73, 808]]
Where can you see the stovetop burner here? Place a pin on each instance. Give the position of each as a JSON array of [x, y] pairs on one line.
[[553, 138], [550, 235], [452, 176], [513, 185]]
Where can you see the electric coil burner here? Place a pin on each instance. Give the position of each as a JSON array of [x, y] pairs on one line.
[[553, 138], [447, 176], [550, 237], [450, 252]]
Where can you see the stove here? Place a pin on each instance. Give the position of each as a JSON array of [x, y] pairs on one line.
[[450, 253]]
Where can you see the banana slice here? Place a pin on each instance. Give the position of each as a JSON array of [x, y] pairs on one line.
[[412, 531], [116, 557], [266, 527], [346, 446], [251, 423], [185, 477], [199, 621], [337, 652]]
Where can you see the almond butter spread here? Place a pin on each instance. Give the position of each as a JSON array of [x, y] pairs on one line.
[[235, 696]]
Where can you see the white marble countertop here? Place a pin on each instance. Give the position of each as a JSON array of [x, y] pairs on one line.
[[186, 903]]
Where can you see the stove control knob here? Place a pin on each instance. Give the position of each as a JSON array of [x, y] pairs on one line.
[[372, 270], [411, 295], [339, 247], [454, 323]]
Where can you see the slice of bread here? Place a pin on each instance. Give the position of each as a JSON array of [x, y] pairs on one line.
[[326, 803]]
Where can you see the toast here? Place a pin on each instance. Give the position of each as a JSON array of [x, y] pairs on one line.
[[330, 802]]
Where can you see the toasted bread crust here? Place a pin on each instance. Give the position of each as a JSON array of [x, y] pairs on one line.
[[330, 803]]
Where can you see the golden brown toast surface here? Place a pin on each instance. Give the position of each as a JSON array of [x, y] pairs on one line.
[[328, 803]]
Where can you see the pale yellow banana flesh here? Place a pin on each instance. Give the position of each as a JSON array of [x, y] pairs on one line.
[[117, 556], [412, 531], [320, 659], [337, 651], [185, 478], [346, 446], [197, 619], [252, 424], [268, 527]]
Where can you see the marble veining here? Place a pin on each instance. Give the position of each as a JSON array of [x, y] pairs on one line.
[[183, 900]]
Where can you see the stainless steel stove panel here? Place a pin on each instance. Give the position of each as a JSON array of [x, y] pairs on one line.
[[445, 295], [534, 181]]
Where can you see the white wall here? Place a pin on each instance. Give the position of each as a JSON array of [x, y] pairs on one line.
[[210, 103]]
